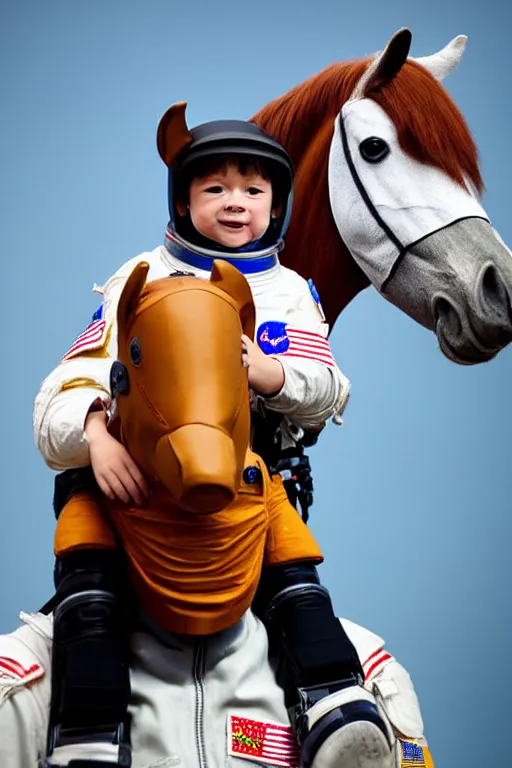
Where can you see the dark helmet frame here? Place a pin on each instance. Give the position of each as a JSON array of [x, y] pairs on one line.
[[235, 137]]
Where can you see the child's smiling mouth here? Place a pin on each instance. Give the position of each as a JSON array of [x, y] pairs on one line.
[[233, 224]]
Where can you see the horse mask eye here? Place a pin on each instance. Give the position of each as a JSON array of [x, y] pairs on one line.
[[373, 149], [134, 350], [119, 379]]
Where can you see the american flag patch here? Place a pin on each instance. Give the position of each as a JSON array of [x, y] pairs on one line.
[[92, 338], [277, 338], [13, 670], [14, 675], [261, 742], [374, 662], [412, 755]]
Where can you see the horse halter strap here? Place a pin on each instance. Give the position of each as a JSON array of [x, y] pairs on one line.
[[390, 234]]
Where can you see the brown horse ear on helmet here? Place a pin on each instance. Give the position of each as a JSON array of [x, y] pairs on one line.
[[386, 65], [229, 279], [172, 134], [130, 294]]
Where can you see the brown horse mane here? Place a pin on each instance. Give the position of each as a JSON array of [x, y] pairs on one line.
[[430, 128]]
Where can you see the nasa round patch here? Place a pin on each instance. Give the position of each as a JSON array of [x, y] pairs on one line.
[[272, 337]]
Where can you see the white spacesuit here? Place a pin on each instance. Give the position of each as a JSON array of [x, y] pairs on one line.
[[185, 696]]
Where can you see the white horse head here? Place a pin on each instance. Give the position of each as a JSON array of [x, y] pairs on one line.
[[415, 227]]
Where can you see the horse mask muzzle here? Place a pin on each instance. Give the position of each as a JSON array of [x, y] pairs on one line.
[[182, 395]]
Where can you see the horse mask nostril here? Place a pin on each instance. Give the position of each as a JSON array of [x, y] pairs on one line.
[[119, 379]]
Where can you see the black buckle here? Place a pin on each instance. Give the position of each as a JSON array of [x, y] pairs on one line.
[[298, 482], [80, 763], [61, 736]]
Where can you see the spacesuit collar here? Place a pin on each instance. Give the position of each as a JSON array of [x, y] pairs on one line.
[[203, 258]]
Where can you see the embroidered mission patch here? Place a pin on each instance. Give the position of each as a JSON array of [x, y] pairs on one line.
[[278, 338], [273, 338], [412, 755], [262, 742]]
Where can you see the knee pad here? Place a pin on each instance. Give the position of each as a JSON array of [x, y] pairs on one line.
[[90, 663], [90, 667], [87, 569], [299, 609]]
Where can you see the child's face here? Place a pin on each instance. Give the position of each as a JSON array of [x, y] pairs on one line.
[[230, 207]]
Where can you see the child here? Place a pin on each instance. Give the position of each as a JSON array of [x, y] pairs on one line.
[[230, 191]]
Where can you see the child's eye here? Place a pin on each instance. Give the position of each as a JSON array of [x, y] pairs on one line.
[[215, 190], [255, 191]]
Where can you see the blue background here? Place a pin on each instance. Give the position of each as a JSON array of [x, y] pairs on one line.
[[413, 494]]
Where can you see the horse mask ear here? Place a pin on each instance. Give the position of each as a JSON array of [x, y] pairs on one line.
[[131, 294], [386, 65], [172, 134], [227, 277]]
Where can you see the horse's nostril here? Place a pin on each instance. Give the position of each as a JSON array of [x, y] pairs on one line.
[[493, 288], [446, 313]]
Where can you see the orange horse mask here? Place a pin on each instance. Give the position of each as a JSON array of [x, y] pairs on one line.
[[182, 391]]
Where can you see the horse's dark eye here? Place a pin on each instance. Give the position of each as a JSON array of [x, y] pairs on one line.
[[135, 353], [373, 149], [119, 379]]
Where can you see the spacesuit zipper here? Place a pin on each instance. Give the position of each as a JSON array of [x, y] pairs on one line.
[[199, 660]]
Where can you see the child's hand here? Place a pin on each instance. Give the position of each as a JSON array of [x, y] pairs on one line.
[[266, 374], [115, 471]]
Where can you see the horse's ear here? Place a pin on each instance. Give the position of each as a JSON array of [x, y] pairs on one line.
[[172, 133], [228, 278], [442, 63], [386, 65], [131, 293]]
